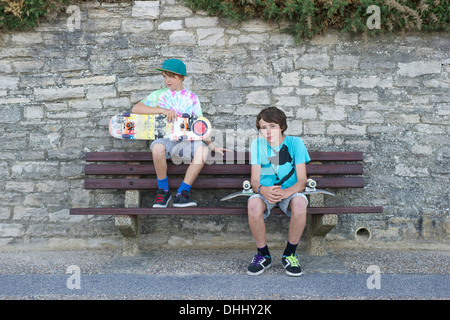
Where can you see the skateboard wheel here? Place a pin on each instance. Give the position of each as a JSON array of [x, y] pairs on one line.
[[126, 136], [246, 185], [185, 115], [199, 128], [126, 114], [311, 183]]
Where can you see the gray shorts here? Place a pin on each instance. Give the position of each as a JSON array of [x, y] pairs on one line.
[[179, 151], [283, 204]]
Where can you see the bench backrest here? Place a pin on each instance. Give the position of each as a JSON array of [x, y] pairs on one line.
[[135, 170]]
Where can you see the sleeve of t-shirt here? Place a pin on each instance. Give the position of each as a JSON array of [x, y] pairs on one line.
[[152, 99], [255, 157], [197, 108], [300, 152]]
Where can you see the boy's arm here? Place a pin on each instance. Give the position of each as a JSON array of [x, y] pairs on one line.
[[271, 194], [141, 108], [255, 177], [299, 186]]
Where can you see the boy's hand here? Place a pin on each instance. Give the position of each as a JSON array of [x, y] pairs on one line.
[[170, 115], [218, 150], [285, 193], [272, 194]]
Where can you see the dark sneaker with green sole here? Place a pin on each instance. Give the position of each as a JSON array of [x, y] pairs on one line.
[[291, 265]]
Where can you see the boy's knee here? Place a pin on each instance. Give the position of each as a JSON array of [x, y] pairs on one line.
[[202, 150], [298, 206], [159, 150], [201, 154], [255, 207]]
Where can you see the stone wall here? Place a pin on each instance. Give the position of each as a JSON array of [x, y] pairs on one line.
[[59, 84]]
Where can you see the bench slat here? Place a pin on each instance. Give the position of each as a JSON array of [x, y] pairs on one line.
[[226, 169], [147, 156], [213, 211], [336, 156], [209, 183]]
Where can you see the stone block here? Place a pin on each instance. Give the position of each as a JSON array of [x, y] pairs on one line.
[[345, 62], [176, 11], [182, 38], [137, 26], [347, 99], [34, 112], [171, 25], [201, 22], [9, 83], [11, 230], [313, 61], [145, 10], [418, 68], [258, 97], [290, 79], [320, 81], [211, 37], [63, 93], [338, 129], [368, 83]]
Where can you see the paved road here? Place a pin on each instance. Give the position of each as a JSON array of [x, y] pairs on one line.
[[319, 285], [213, 274]]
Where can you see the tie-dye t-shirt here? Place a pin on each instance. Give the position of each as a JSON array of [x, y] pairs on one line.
[[183, 101]]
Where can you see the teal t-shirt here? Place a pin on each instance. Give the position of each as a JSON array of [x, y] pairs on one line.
[[278, 163], [183, 101]]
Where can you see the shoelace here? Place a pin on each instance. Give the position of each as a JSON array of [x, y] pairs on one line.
[[257, 259], [293, 260], [159, 198]]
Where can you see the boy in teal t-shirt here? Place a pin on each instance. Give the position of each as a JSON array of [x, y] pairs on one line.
[[281, 173], [278, 176], [173, 101]]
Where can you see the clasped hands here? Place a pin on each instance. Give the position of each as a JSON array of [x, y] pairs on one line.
[[274, 194]]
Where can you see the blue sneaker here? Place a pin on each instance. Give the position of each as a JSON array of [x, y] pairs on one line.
[[258, 265]]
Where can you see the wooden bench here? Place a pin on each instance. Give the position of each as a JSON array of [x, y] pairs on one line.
[[134, 172]]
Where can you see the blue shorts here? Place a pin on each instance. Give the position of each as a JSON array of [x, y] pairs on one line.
[[283, 204], [179, 151]]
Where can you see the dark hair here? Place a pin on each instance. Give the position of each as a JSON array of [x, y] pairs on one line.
[[274, 115]]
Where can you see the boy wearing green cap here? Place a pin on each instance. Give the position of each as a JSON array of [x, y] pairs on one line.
[[173, 101]]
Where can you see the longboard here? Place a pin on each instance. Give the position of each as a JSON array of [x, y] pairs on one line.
[[248, 192], [155, 126]]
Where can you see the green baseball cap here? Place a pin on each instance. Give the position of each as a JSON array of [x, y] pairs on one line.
[[175, 66]]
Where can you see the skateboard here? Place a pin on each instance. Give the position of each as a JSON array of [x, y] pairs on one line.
[[310, 189], [155, 126]]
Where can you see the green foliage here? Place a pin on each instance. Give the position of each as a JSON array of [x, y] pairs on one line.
[[25, 14], [306, 18]]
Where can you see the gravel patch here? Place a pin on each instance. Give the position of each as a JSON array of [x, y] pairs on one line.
[[184, 262], [396, 262], [53, 262]]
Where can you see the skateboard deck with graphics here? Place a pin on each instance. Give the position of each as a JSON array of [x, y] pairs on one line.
[[155, 126], [310, 189]]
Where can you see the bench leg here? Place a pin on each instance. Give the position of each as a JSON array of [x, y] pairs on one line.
[[129, 226], [317, 226]]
